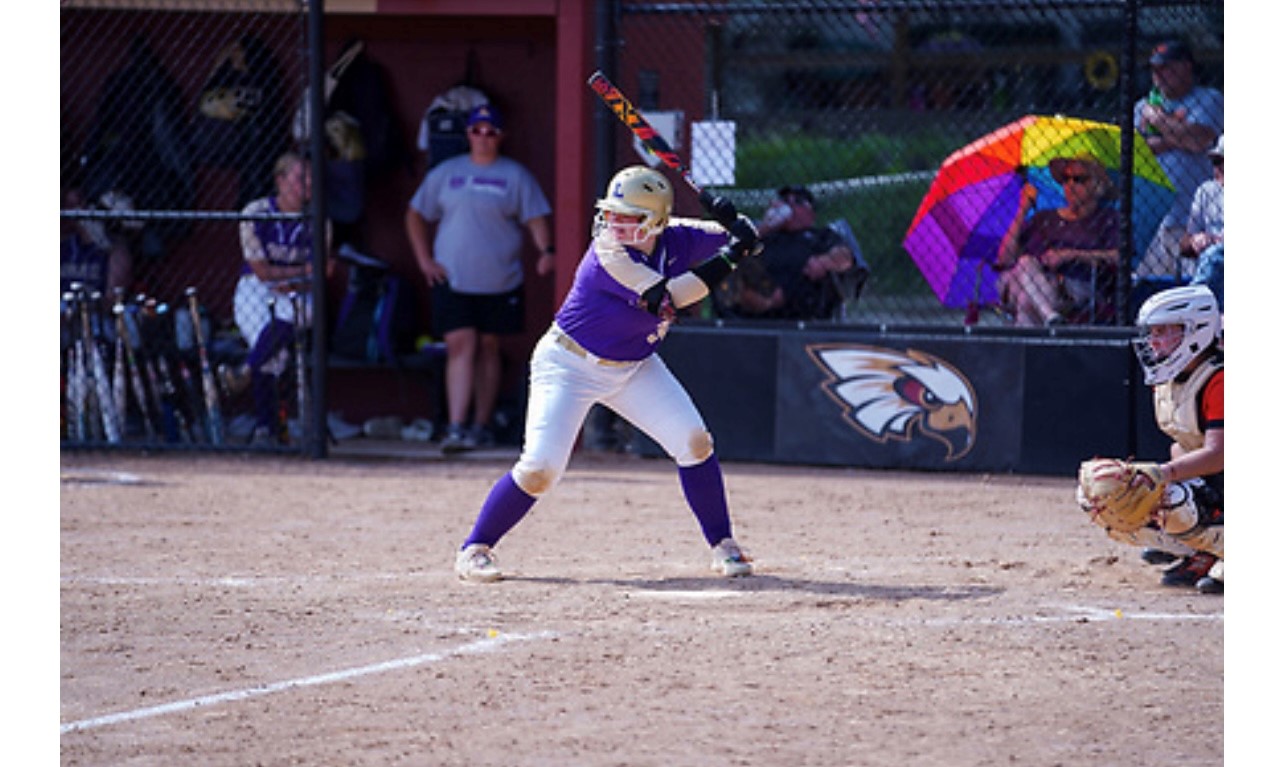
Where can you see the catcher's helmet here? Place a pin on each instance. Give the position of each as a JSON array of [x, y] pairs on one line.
[[1193, 308], [637, 191]]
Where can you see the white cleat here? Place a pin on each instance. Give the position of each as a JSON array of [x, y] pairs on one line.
[[730, 560], [476, 562]]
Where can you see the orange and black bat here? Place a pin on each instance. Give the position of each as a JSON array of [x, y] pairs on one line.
[[720, 208]]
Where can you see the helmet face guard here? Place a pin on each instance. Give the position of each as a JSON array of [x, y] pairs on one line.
[[1163, 353], [635, 192]]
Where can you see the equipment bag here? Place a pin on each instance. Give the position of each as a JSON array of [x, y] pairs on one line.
[[443, 128], [377, 318]]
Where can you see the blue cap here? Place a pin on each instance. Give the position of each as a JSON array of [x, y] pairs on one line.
[[485, 113]]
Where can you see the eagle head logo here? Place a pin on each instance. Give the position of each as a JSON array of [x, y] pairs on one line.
[[887, 395]]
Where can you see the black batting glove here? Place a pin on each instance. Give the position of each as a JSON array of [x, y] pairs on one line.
[[743, 242], [719, 208]]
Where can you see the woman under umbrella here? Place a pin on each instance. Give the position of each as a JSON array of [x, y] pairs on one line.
[[1062, 262]]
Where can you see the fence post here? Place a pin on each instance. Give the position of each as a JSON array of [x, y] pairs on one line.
[[318, 434]]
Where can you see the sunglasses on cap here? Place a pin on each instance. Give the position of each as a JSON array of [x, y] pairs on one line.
[[487, 132]]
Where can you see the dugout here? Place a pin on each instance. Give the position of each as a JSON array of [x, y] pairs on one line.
[[937, 399]]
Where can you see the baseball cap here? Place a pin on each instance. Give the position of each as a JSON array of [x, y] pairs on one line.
[[1219, 149], [1170, 51], [799, 192], [485, 113]]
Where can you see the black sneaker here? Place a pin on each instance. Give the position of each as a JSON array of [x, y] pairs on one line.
[[458, 440], [1188, 571], [480, 436], [1157, 556], [1209, 585]]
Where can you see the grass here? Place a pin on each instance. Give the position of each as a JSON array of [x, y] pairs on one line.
[[879, 214]]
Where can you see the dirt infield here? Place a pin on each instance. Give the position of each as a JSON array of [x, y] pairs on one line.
[[236, 611]]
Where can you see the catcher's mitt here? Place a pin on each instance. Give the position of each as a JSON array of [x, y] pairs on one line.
[[1120, 495]]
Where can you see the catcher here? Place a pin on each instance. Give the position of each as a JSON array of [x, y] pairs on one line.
[[1173, 509]]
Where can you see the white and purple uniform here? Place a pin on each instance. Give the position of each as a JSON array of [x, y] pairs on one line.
[[279, 243], [601, 349]]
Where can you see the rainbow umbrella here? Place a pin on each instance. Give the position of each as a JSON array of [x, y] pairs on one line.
[[955, 234]]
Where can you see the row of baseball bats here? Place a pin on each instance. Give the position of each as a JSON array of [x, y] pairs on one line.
[[122, 358]]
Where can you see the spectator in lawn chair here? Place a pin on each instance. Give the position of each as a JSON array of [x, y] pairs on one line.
[[793, 278], [1060, 264]]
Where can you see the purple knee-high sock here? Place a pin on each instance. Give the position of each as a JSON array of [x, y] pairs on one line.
[[503, 509], [702, 485], [272, 339], [264, 388]]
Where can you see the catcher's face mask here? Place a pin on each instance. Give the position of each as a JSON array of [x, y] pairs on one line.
[[1163, 340]]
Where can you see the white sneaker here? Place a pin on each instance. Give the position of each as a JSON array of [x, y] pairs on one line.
[[341, 429], [476, 562], [419, 430], [730, 560], [384, 427]]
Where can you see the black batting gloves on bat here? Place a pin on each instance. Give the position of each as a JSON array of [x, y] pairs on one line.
[[744, 239], [719, 208], [743, 243]]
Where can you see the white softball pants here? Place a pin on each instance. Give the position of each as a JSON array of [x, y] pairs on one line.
[[250, 310], [565, 385]]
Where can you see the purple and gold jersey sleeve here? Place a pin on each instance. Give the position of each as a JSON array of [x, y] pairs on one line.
[[604, 312]]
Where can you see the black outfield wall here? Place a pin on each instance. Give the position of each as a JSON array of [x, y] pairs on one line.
[[940, 399]]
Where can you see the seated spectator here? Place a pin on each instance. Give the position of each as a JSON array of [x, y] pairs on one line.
[[1060, 264], [791, 279], [1204, 228]]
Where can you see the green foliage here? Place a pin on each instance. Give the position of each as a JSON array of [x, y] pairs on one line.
[[875, 181]]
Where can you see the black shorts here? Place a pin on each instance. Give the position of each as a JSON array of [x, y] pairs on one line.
[[501, 314]]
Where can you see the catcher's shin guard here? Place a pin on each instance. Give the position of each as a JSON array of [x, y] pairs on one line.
[[1188, 514], [1151, 537]]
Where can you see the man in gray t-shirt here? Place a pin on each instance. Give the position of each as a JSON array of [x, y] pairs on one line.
[[1180, 129], [479, 204]]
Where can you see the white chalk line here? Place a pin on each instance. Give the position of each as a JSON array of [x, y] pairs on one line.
[[100, 477], [489, 644], [1078, 614], [232, 581]]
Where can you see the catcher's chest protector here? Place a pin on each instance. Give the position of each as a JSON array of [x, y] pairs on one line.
[[1177, 406]]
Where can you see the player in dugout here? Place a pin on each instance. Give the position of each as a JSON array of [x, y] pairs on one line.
[[641, 266]]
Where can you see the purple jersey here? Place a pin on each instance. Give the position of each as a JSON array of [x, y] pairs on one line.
[[606, 316], [278, 242]]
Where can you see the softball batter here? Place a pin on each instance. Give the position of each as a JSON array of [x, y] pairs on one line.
[[640, 268]]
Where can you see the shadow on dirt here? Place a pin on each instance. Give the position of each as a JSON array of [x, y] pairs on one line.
[[771, 583]]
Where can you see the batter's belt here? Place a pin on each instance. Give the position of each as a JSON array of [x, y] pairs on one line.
[[571, 345]]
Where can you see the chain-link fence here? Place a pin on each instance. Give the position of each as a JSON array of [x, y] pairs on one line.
[[912, 126], [173, 118], [918, 125]]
